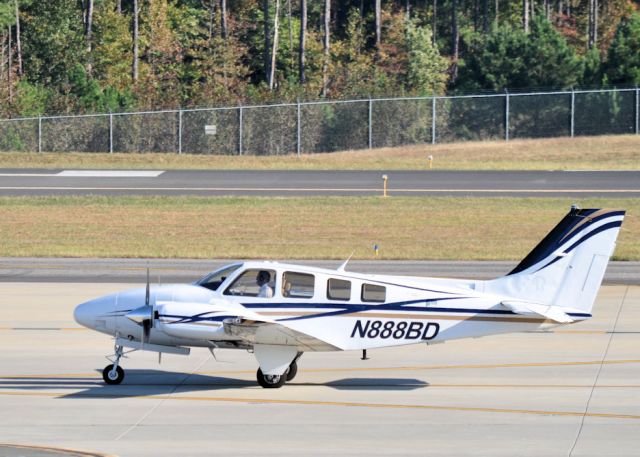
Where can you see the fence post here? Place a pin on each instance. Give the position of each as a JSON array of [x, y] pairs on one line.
[[39, 134], [433, 120], [370, 125], [573, 110], [110, 132], [240, 130], [637, 109], [298, 137], [180, 131], [506, 115]]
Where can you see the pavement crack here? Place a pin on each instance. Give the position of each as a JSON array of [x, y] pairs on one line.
[[595, 381], [165, 398]]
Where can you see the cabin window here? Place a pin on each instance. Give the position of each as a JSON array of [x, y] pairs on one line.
[[374, 293], [297, 285], [248, 284], [338, 289]]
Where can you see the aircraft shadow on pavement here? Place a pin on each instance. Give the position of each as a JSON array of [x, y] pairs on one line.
[[377, 384], [138, 383]]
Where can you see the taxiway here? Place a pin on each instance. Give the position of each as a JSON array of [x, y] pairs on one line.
[[573, 391]]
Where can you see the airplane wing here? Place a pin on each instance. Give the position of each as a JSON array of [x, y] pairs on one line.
[[553, 313], [274, 333], [231, 321]]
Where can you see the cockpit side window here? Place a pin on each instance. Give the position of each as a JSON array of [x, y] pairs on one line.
[[253, 283], [213, 280]]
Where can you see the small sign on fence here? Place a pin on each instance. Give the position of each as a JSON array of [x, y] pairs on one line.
[[210, 129]]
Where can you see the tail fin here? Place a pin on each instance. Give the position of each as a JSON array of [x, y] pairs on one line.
[[566, 268]]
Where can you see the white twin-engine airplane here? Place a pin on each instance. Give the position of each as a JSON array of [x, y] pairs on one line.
[[278, 311]]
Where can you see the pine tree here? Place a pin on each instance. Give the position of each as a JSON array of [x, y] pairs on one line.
[[623, 60]]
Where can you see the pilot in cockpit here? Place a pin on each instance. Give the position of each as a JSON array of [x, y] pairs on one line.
[[263, 279]]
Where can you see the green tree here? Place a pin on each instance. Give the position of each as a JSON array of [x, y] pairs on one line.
[[31, 99], [426, 69], [355, 73], [592, 75], [54, 42], [510, 58], [623, 59], [7, 14], [112, 51]]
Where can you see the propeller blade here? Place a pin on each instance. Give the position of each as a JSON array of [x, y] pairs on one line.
[[146, 330], [147, 295]]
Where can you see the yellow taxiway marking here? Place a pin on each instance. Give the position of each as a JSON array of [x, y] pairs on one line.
[[333, 403], [58, 329], [352, 369], [579, 332], [454, 367], [318, 384], [61, 450]]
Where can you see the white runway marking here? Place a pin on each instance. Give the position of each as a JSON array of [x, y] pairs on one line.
[[109, 174]]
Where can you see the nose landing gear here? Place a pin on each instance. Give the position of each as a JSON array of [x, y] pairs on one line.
[[114, 374]]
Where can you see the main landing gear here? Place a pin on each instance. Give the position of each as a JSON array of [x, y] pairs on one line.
[[274, 381], [114, 374]]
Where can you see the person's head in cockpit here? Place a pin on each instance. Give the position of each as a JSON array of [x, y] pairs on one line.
[[263, 279]]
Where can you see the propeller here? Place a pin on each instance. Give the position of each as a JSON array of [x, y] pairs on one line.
[[144, 315]]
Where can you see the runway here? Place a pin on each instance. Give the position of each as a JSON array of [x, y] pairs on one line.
[[581, 184], [573, 391]]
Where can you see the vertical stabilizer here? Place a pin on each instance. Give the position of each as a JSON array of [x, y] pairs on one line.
[[566, 268]]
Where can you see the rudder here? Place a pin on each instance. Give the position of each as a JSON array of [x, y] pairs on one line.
[[567, 267]]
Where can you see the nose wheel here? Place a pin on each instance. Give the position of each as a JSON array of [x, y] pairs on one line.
[[114, 374]]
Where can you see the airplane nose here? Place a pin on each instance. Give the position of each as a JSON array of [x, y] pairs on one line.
[[95, 314]]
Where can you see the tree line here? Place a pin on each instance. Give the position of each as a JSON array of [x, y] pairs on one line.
[[82, 56]]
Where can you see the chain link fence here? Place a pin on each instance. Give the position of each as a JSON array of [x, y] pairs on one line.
[[313, 127]]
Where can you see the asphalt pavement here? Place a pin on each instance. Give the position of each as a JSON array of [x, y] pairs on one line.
[[581, 184]]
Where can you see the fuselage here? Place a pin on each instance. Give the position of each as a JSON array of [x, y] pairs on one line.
[[310, 308]]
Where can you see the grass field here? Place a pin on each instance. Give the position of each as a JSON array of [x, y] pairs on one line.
[[620, 152], [288, 228]]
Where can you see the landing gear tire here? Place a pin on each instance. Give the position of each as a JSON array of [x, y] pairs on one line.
[[292, 371], [111, 377], [269, 381]]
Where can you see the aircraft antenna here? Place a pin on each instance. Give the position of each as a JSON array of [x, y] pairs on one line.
[[343, 266]]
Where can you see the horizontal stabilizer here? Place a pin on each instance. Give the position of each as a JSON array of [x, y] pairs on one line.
[[550, 312]]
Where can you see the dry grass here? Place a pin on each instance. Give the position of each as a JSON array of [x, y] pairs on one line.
[[583, 153], [280, 228]]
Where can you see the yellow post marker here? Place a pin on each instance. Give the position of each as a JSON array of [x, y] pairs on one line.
[[375, 249], [430, 158], [384, 187]]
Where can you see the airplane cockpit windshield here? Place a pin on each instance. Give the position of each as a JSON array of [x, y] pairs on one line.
[[213, 280]]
